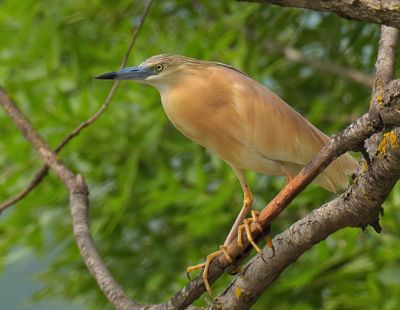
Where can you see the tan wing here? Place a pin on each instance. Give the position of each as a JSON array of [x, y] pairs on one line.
[[279, 133]]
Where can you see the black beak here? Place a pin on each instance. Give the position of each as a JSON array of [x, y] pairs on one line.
[[107, 76], [132, 73]]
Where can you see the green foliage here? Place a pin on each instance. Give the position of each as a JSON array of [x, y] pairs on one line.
[[160, 203]]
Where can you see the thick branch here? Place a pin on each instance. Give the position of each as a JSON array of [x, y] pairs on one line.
[[377, 180], [357, 207], [385, 12], [44, 170], [384, 67], [324, 66], [349, 139], [386, 59], [352, 138]]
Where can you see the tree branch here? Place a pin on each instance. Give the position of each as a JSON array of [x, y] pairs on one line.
[[384, 67], [386, 114], [349, 139], [44, 170], [324, 66], [357, 207], [385, 12], [79, 203]]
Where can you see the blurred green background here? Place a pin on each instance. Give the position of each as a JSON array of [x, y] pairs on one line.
[[160, 203]]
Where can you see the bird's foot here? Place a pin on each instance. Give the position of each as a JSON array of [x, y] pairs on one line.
[[246, 227], [206, 265]]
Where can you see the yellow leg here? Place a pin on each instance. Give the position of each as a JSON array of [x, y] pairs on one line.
[[239, 236], [206, 265], [247, 203], [250, 237], [267, 237]]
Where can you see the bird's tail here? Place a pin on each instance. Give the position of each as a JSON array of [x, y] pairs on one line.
[[336, 176]]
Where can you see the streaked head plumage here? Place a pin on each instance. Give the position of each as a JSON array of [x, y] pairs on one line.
[[164, 69]]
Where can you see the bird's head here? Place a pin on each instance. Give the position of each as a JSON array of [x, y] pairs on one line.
[[159, 71]]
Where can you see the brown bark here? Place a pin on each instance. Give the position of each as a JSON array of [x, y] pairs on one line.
[[386, 12]]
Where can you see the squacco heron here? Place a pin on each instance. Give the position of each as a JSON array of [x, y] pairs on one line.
[[240, 120]]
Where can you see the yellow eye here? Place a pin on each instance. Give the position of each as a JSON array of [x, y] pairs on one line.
[[159, 67]]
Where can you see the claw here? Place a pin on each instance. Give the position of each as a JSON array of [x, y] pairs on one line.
[[206, 266], [233, 269], [246, 226], [195, 267], [239, 236], [254, 217], [250, 237], [209, 259], [226, 254], [268, 242]]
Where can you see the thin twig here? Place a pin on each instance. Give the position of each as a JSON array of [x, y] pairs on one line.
[[324, 66], [44, 170]]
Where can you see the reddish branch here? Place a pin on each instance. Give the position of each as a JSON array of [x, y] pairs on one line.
[[44, 170]]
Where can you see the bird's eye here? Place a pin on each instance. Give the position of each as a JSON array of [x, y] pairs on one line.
[[159, 67]]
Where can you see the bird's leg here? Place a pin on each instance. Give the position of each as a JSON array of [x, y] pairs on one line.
[[206, 265], [247, 203], [246, 227]]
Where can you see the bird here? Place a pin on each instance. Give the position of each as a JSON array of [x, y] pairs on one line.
[[240, 120]]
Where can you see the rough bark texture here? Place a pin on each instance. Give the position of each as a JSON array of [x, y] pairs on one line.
[[357, 207], [351, 138], [386, 12], [384, 67]]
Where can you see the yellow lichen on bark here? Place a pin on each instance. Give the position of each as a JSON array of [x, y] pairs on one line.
[[379, 99], [393, 139], [364, 167], [389, 138], [238, 292], [382, 148]]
